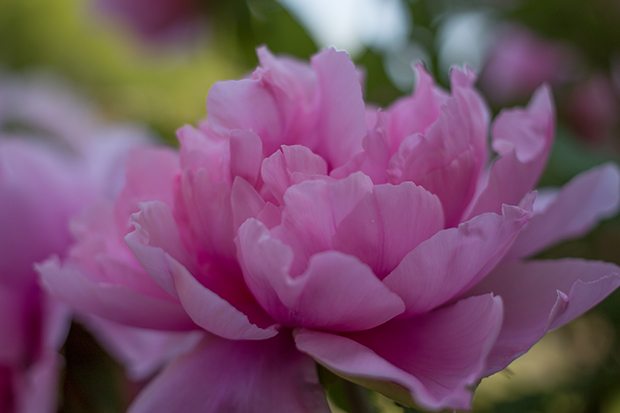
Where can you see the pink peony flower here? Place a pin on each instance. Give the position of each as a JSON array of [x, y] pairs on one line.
[[519, 61], [54, 162], [593, 108], [296, 225]]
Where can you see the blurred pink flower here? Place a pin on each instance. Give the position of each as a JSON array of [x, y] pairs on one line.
[[55, 160], [520, 60], [157, 21], [593, 108], [297, 224]]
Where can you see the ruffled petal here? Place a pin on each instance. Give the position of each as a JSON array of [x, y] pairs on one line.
[[387, 224], [523, 139], [540, 295], [431, 360], [578, 207], [112, 301], [336, 292], [455, 259]]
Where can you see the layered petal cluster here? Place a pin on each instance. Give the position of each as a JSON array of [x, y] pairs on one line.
[[297, 225], [54, 162]]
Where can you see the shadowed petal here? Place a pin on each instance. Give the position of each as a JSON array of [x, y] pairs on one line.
[[236, 377]]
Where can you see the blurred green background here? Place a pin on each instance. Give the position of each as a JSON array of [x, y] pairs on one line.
[[164, 86]]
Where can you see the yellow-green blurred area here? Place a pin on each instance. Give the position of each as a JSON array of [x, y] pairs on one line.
[[575, 369], [70, 39]]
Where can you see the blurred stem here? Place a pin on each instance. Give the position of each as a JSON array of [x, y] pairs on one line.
[[358, 399]]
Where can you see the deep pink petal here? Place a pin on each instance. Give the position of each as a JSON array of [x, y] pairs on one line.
[[573, 212], [540, 295], [215, 314], [523, 139], [217, 307], [204, 215], [237, 377], [387, 224], [436, 357], [336, 292], [455, 259]]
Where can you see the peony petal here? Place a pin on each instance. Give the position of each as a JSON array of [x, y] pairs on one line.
[[236, 377], [447, 160], [523, 139], [150, 176], [573, 212], [282, 169], [246, 155], [387, 224], [336, 292], [112, 301], [313, 210], [412, 114], [245, 104], [217, 315], [455, 259], [245, 202], [143, 352], [373, 161], [540, 295], [435, 357], [341, 120], [156, 235]]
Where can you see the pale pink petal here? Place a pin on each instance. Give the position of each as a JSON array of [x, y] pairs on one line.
[[245, 202], [313, 210], [246, 104], [336, 292], [540, 295], [156, 235], [387, 224], [237, 377], [112, 301], [455, 259], [435, 357], [578, 207], [204, 149], [523, 139], [143, 352], [341, 120], [448, 158], [246, 155], [373, 161], [412, 114], [282, 169], [150, 176]]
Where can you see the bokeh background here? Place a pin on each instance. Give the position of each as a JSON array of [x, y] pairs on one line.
[[153, 65]]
